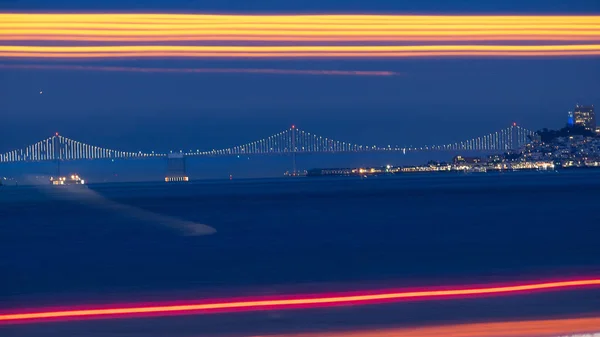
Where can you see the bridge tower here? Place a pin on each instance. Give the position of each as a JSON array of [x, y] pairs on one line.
[[293, 134], [176, 168], [518, 137], [55, 149]]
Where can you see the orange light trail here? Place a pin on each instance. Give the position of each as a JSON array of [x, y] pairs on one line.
[[76, 37], [177, 18], [292, 49], [17, 55], [290, 302], [517, 36], [292, 26], [534, 328], [288, 32], [203, 70]]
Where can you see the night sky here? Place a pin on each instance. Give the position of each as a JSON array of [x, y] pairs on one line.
[[433, 100]]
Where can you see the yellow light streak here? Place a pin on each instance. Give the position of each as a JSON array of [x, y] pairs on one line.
[[297, 26], [76, 35], [306, 38], [263, 49], [108, 17], [280, 32], [300, 55]]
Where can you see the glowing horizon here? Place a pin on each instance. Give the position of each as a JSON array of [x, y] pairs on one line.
[[77, 35]]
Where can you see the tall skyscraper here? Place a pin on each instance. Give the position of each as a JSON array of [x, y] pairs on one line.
[[570, 119], [583, 115]]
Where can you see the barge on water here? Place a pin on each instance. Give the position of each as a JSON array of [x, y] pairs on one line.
[[73, 179]]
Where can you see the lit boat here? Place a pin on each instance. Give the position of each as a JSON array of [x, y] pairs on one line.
[[74, 179], [177, 179]]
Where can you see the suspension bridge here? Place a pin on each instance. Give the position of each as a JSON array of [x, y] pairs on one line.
[[291, 141]]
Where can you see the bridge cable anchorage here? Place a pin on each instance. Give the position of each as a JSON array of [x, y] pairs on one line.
[[291, 141]]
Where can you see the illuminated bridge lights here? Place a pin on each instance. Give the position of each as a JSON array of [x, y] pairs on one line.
[[290, 302], [293, 140]]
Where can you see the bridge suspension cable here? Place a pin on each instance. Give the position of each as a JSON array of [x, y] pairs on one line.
[[292, 140], [58, 147], [300, 141], [512, 137]]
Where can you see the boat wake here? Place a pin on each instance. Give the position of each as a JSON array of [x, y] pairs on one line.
[[84, 195]]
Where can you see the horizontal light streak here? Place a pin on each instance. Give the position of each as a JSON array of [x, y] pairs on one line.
[[281, 32], [299, 301], [76, 37], [296, 51], [281, 49], [291, 26], [202, 70], [111, 17], [290, 34], [299, 54], [533, 328]]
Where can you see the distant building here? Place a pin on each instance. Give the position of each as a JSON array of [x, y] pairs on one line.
[[466, 160], [570, 119], [583, 115], [495, 158]]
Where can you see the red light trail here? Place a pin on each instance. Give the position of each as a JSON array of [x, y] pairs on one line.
[[289, 302]]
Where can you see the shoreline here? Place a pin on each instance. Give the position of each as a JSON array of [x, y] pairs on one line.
[[314, 173], [353, 172]]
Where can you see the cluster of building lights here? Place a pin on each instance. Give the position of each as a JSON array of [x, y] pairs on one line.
[[74, 179]]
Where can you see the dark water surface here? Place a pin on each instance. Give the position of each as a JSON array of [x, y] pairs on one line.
[[288, 234]]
